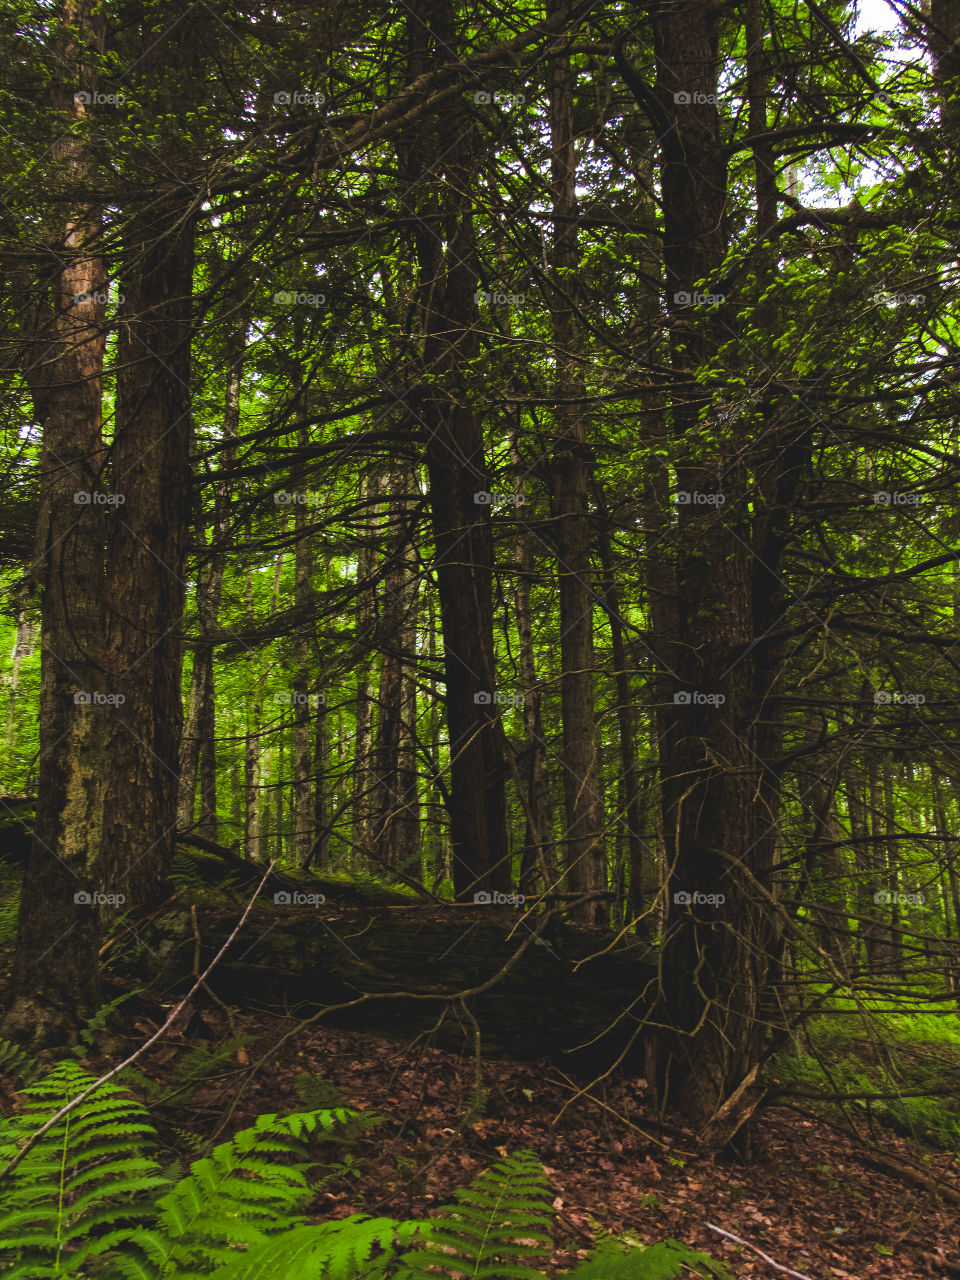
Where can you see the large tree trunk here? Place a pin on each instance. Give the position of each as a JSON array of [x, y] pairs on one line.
[[54, 985], [151, 467], [584, 855], [719, 806], [456, 468]]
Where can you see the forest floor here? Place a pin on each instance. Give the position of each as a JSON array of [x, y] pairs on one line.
[[807, 1199]]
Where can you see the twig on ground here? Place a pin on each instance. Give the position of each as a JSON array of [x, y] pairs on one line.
[[777, 1266]]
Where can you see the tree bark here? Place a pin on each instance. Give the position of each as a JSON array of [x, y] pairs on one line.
[[54, 986], [147, 550], [584, 855], [456, 467]]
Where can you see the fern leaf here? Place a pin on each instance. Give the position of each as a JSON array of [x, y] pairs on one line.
[[503, 1217], [667, 1260]]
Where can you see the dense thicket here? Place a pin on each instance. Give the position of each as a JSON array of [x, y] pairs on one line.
[[508, 449]]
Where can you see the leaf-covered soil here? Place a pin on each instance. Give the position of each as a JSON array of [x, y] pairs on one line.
[[807, 1199]]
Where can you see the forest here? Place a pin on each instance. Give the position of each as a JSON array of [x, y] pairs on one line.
[[480, 639]]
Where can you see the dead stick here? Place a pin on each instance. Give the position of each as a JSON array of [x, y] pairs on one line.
[[787, 1271], [82, 1097]]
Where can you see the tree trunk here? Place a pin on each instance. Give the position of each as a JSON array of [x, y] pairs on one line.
[[456, 467], [584, 856], [147, 550], [54, 986]]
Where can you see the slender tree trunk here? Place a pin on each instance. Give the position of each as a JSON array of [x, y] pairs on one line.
[[584, 853], [456, 467], [540, 846], [303, 785]]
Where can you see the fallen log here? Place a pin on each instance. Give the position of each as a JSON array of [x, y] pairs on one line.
[[314, 941]]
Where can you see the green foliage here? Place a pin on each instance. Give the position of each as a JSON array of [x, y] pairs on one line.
[[502, 1218], [663, 1261], [249, 1189], [79, 1193], [17, 1064], [90, 1199]]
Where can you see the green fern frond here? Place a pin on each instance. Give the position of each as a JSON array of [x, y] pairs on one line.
[[504, 1217], [247, 1190], [80, 1191], [97, 1023], [667, 1260], [354, 1248], [17, 1064]]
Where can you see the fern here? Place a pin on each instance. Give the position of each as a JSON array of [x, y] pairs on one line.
[[503, 1217], [91, 1200], [79, 1192], [248, 1189], [97, 1023], [664, 1261], [17, 1064]]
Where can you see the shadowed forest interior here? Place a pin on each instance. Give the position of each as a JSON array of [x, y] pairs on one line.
[[479, 639]]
